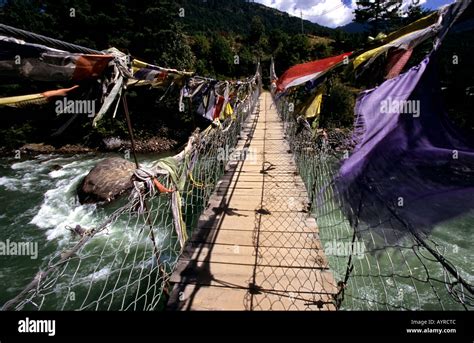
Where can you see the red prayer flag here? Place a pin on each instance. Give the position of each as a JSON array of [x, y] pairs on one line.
[[304, 72], [397, 59]]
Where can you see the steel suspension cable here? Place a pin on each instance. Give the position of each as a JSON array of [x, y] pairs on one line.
[[40, 39]]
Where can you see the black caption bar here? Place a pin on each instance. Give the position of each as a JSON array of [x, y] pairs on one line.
[[447, 326]]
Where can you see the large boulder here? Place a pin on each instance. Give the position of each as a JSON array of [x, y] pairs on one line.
[[107, 180]]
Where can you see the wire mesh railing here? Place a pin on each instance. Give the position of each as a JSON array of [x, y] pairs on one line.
[[379, 261], [126, 262]]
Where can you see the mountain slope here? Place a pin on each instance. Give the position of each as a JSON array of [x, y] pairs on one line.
[[235, 16], [354, 27]]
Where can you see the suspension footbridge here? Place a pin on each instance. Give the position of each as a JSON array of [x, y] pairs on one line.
[[263, 208], [256, 246]]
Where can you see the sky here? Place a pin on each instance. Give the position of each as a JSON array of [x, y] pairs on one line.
[[333, 13]]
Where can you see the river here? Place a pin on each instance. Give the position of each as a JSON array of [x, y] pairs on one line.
[[38, 202]]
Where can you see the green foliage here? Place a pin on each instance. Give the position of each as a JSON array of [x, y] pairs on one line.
[[414, 13], [16, 135], [173, 51], [293, 51], [222, 56], [247, 62], [278, 40], [257, 30], [205, 40], [236, 17], [337, 109], [107, 127], [321, 50], [379, 14], [201, 46]]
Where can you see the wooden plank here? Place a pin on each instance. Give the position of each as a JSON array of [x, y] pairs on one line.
[[277, 278], [267, 256], [213, 298], [288, 240]]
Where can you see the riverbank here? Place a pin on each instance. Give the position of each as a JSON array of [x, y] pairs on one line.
[[155, 144]]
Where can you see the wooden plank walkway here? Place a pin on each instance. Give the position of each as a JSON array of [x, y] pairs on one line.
[[256, 247]]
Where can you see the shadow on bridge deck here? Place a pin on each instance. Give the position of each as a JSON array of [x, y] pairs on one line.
[[256, 247]]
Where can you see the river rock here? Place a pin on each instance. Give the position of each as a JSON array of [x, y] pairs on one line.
[[73, 149], [38, 148], [56, 167], [106, 181], [149, 145], [112, 143]]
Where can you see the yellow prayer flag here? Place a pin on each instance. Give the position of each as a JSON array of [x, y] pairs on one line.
[[412, 31], [314, 109], [228, 111]]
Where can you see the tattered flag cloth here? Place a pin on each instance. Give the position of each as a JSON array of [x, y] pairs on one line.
[[411, 169], [228, 111], [410, 36], [273, 76], [396, 60], [192, 87], [407, 41], [219, 106], [148, 72], [137, 65], [419, 24], [155, 75], [35, 99], [207, 104], [302, 73], [314, 108], [409, 160], [40, 63]]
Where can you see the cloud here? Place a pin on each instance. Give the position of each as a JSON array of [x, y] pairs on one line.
[[331, 13]]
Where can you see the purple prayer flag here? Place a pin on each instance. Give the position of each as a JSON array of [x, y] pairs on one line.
[[410, 166]]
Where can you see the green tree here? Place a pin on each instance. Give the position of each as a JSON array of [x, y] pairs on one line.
[[257, 30], [277, 40], [247, 61], [415, 12], [338, 106], [201, 47], [321, 50], [296, 50], [379, 14], [173, 50], [222, 56]]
